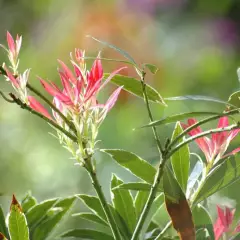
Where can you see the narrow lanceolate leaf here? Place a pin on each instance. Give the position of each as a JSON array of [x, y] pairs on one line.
[[3, 226], [28, 202], [179, 117], [90, 217], [136, 165], [17, 223], [134, 86], [198, 98], [159, 200], [122, 52], [86, 234], [139, 186], [178, 208], [226, 172], [38, 212], [123, 202], [94, 205], [181, 160], [152, 68], [140, 201], [202, 220], [52, 219]]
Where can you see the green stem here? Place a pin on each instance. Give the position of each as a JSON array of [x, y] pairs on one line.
[[34, 90], [145, 96], [64, 118], [92, 173], [51, 122], [187, 130], [159, 174], [151, 197], [190, 139], [162, 233]]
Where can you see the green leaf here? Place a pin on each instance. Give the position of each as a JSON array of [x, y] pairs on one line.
[[90, 217], [181, 160], [93, 204], [86, 234], [226, 172], [54, 216], [202, 219], [3, 226], [234, 99], [140, 201], [136, 165], [122, 52], [17, 224], [203, 233], [137, 186], [236, 237], [179, 117], [152, 68], [134, 86], [198, 98], [28, 202], [157, 203], [171, 187], [123, 202], [38, 212]]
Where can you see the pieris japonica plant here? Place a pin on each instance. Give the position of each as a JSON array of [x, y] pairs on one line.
[[171, 187]]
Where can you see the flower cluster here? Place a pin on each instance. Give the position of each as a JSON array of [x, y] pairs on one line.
[[75, 106], [223, 223], [214, 147]]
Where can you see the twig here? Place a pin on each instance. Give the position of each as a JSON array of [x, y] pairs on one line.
[[51, 122]]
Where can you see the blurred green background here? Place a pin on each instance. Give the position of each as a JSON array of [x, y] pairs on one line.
[[194, 43]]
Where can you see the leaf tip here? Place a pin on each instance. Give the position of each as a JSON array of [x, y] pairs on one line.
[[15, 203]]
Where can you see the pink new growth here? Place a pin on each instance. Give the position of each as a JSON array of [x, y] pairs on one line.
[[80, 89], [223, 222], [216, 146]]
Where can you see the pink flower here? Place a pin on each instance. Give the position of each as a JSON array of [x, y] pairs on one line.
[[217, 145], [223, 222]]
